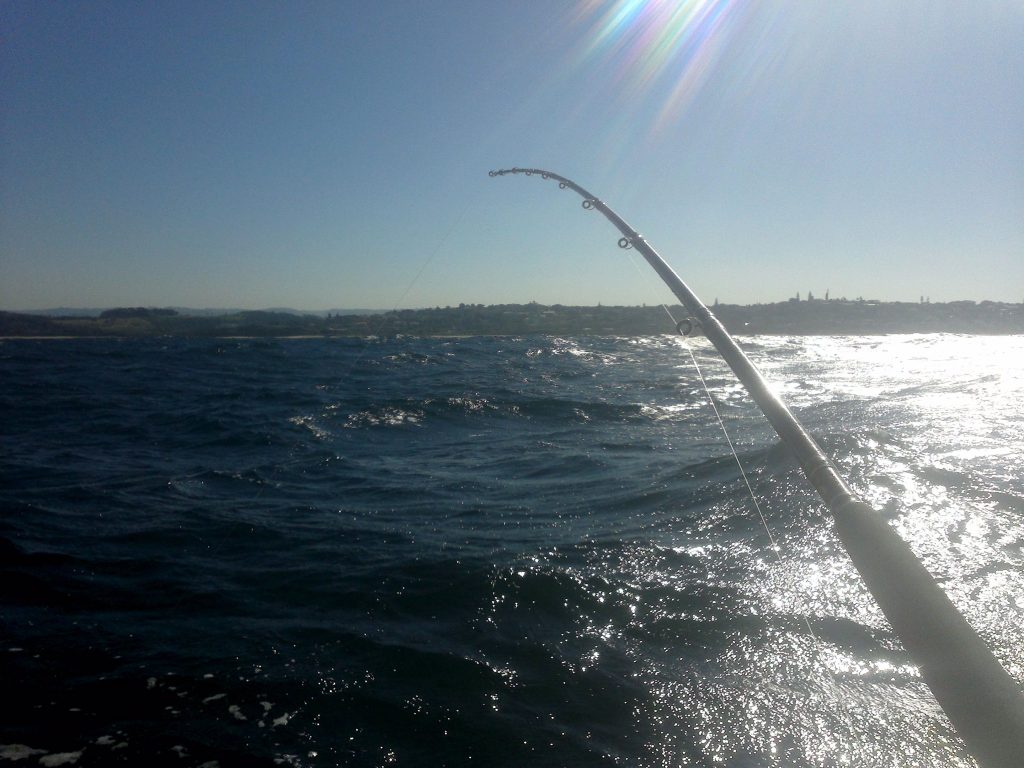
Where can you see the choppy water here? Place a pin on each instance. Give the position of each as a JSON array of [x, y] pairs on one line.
[[495, 552]]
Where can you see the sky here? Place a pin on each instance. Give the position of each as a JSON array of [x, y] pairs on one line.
[[320, 155]]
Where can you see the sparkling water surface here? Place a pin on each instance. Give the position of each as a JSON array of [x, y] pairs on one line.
[[486, 551]]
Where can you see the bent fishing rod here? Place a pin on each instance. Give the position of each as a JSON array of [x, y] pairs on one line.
[[981, 699]]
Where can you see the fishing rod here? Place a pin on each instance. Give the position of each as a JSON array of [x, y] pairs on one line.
[[983, 702]]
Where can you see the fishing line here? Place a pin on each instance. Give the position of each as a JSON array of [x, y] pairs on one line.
[[433, 253], [419, 273], [293, 459], [982, 700], [366, 346], [721, 423]]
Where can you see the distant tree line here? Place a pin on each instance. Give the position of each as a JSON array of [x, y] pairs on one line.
[[836, 316], [121, 313]]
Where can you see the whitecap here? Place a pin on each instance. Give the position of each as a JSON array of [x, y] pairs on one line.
[[60, 758], [16, 752]]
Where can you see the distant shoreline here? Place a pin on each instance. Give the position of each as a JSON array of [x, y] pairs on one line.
[[793, 318]]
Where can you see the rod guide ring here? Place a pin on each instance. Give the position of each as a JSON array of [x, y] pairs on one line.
[[685, 326]]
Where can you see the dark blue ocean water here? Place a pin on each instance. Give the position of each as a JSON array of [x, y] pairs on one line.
[[485, 551]]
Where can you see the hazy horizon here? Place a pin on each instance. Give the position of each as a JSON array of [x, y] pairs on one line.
[[379, 310], [323, 155]]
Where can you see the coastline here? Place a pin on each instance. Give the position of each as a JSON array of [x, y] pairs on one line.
[[792, 318]]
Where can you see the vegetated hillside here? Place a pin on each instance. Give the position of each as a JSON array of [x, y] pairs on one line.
[[790, 317], [141, 322]]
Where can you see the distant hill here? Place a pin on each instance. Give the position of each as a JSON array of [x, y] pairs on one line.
[[63, 312], [837, 317], [194, 312], [355, 312]]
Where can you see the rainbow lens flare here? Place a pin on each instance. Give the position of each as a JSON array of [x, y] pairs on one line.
[[665, 48]]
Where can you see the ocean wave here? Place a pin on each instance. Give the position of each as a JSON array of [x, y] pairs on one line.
[[515, 550]]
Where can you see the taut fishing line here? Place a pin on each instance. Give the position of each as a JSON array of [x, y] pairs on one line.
[[293, 459], [982, 700], [363, 350], [728, 439]]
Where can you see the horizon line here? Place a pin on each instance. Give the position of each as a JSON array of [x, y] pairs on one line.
[[379, 310]]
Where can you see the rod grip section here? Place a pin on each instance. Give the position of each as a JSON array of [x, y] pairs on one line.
[[981, 700]]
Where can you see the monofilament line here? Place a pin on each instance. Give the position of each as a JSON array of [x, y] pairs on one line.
[[433, 253], [362, 351], [739, 464], [728, 440]]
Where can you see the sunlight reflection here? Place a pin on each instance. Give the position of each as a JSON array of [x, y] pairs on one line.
[[706, 629], [663, 46]]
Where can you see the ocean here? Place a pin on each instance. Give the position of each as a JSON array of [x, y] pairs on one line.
[[488, 551]]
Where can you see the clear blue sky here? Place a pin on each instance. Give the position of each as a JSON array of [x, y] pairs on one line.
[[323, 154]]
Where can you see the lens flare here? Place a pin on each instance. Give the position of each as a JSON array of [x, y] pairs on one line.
[[661, 48]]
